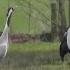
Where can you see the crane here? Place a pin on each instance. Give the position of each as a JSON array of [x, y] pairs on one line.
[[4, 36]]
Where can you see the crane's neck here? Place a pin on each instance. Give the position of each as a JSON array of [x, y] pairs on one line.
[[9, 13], [4, 36]]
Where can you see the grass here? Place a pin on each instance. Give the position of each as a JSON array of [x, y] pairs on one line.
[[34, 56], [40, 46]]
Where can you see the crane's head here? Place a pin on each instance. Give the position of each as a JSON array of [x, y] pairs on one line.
[[9, 13], [10, 10]]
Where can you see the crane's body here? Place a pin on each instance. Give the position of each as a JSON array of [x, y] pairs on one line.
[[65, 45], [68, 38], [4, 35], [4, 41]]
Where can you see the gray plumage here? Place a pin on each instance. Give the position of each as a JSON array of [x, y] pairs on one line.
[[4, 36]]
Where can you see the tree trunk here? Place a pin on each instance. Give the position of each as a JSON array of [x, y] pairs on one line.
[[62, 27], [53, 20]]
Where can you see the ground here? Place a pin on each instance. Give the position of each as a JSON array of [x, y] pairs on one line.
[[34, 56]]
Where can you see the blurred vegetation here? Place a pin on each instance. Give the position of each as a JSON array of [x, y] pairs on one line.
[[34, 17]]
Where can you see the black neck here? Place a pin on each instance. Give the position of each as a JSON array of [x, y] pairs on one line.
[[9, 14], [8, 20]]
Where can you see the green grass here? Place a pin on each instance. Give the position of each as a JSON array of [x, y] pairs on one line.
[[31, 54], [34, 56], [31, 47]]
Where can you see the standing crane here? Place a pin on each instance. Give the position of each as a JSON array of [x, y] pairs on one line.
[[4, 35]]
